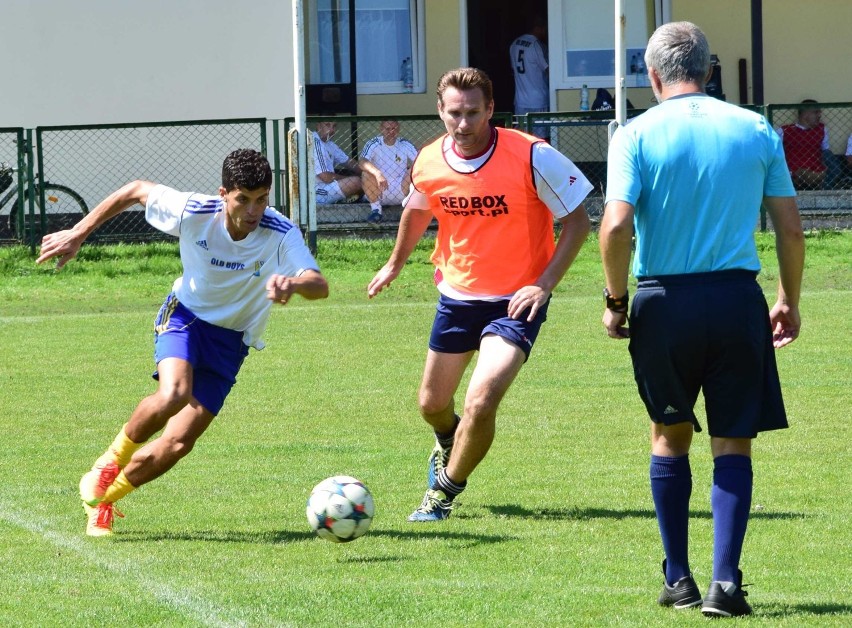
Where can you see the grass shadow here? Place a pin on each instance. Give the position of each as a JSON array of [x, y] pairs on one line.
[[788, 610], [443, 535], [585, 514], [268, 537], [274, 537], [567, 514]]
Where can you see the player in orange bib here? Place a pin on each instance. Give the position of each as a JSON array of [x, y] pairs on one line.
[[495, 194]]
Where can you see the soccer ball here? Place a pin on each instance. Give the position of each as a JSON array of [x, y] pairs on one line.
[[340, 509]]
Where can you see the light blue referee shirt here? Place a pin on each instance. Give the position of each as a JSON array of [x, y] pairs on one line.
[[695, 169]]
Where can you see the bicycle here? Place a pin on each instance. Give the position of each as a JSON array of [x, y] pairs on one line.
[[63, 206]]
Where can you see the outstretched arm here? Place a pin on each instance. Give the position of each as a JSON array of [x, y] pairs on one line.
[[790, 248], [65, 245]]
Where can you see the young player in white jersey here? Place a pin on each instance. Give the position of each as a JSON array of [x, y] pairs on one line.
[[239, 256], [386, 168]]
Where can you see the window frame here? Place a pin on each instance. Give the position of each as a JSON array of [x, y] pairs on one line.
[[656, 13], [417, 17]]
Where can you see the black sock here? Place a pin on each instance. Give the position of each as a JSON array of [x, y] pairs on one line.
[[450, 488], [446, 439]]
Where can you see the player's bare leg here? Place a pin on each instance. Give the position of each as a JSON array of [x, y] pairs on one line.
[[107, 481], [176, 441], [441, 377], [371, 187], [173, 393], [498, 365]]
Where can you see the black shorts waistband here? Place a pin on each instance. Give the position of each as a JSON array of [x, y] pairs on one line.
[[716, 276]]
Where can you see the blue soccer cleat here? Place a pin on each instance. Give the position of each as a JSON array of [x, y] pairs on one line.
[[435, 507]]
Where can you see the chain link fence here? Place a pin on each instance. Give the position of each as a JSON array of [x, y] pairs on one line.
[[89, 162], [818, 146], [353, 135], [12, 177], [72, 168], [583, 137]]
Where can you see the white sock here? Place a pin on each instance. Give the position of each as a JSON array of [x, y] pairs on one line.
[[376, 207]]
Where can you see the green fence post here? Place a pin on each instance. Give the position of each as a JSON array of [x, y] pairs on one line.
[[276, 165], [31, 189]]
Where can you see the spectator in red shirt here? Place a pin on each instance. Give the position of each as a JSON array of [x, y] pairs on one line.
[[804, 143]]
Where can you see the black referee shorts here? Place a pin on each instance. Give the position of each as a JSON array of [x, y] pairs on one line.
[[706, 332]]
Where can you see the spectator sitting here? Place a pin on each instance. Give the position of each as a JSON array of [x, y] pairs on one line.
[[386, 168], [333, 186], [804, 143]]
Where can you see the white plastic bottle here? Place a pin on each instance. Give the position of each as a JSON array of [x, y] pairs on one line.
[[584, 98]]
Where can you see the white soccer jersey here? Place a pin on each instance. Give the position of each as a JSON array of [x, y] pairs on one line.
[[224, 281], [327, 155], [529, 64], [394, 161]]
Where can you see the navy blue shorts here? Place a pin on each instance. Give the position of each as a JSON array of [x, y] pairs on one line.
[[706, 332], [215, 353], [460, 325]]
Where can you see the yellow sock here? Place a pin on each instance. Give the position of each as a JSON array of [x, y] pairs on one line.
[[118, 489], [122, 448]]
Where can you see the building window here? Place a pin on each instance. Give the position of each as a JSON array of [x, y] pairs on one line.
[[387, 34], [588, 31]]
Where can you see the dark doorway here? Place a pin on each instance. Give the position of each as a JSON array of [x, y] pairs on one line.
[[492, 26]]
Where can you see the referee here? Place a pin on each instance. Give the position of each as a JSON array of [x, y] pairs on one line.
[[688, 178]]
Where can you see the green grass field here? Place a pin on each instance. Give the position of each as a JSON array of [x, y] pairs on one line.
[[557, 525]]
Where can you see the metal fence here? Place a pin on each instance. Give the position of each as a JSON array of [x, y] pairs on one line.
[[75, 167], [13, 163], [351, 135], [70, 169], [583, 137], [818, 145]]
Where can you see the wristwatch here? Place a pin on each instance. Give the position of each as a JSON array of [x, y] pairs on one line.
[[616, 304]]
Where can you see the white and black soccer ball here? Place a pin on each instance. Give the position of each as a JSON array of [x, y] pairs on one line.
[[340, 509]]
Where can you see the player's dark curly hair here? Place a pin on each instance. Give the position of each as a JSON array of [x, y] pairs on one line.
[[246, 168]]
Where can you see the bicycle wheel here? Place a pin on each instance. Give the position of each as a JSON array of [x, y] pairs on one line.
[[63, 208]]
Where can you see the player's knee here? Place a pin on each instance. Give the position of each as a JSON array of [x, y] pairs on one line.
[[431, 403], [480, 409], [173, 398]]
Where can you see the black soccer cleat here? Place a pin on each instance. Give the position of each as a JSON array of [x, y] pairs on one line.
[[682, 594], [721, 603]]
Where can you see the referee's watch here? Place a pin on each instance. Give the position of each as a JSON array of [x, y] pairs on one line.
[[616, 304]]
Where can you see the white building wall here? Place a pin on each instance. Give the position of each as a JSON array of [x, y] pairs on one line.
[[113, 61]]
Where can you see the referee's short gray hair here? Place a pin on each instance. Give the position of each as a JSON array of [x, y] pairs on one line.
[[679, 51]]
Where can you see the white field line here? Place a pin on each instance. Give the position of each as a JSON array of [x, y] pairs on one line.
[[182, 600], [276, 311], [380, 302]]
